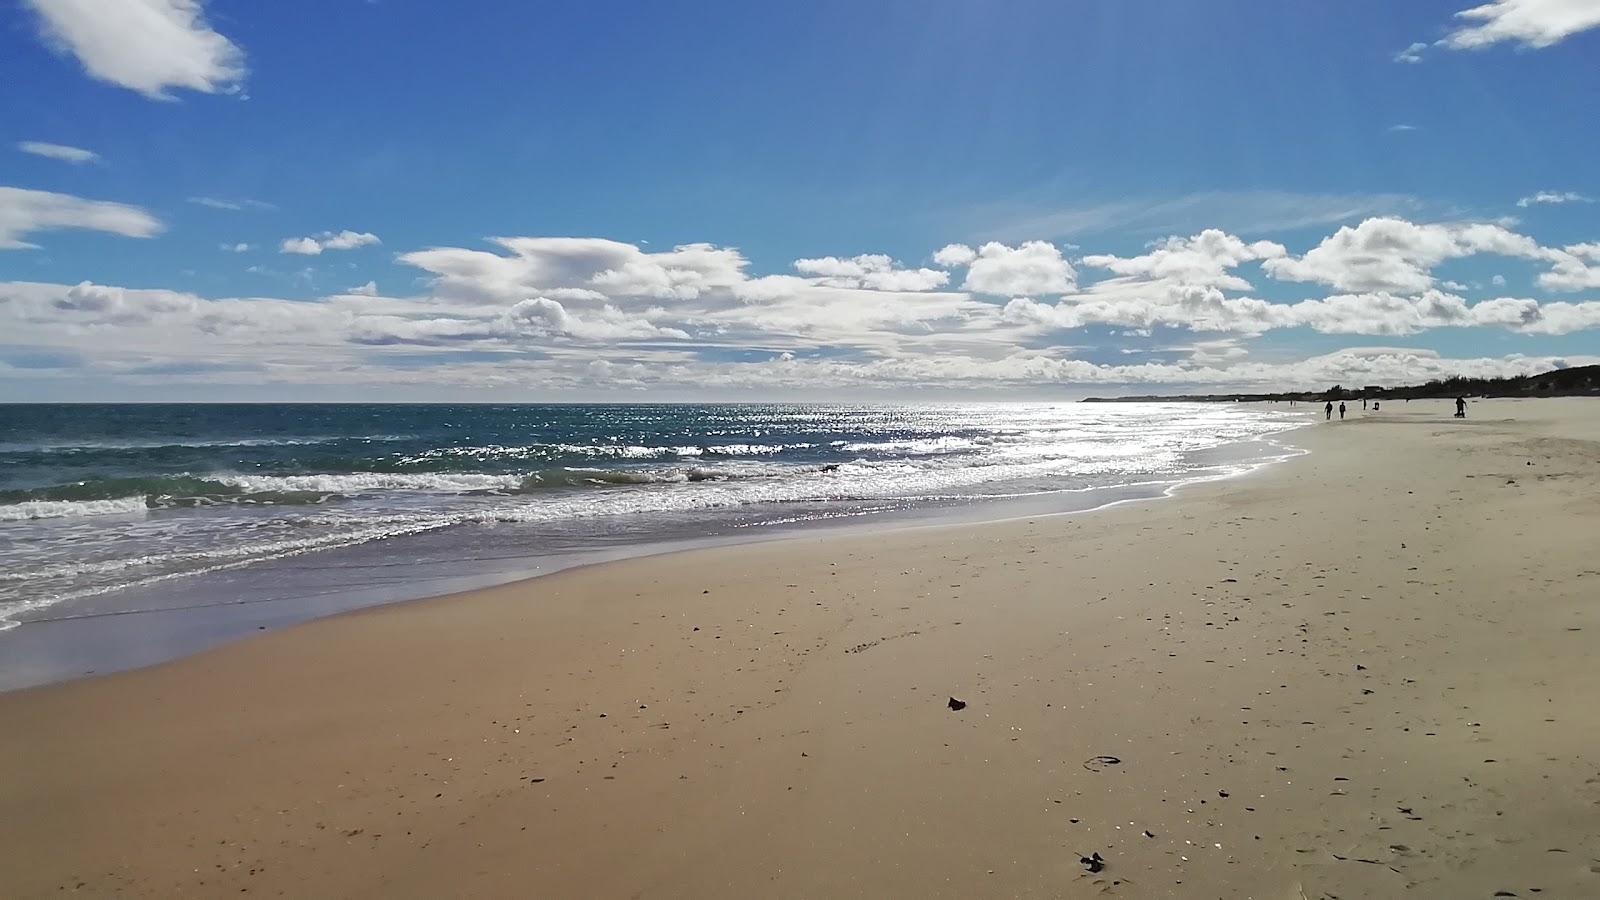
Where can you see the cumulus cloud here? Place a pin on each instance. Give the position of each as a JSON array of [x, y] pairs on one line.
[[1202, 309], [1573, 268], [1383, 266], [120, 305], [543, 316], [1033, 267], [953, 256], [149, 46], [328, 240], [1562, 318], [1191, 307], [1527, 23], [23, 212], [604, 268], [63, 152], [1554, 197], [1391, 254], [240, 247], [552, 313], [1200, 260]]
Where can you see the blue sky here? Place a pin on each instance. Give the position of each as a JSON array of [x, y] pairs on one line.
[[783, 133]]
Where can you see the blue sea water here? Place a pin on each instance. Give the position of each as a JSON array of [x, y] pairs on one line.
[[112, 510]]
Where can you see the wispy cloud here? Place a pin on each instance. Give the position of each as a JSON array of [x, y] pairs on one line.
[[149, 46], [241, 203], [1400, 128], [1554, 198], [1528, 23], [23, 212], [63, 152], [1411, 54], [1248, 212]]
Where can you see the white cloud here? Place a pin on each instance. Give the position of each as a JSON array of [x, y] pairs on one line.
[[149, 46], [122, 306], [1384, 267], [543, 316], [1529, 23], [955, 255], [1033, 267], [1217, 353], [1196, 308], [242, 203], [554, 314], [1236, 211], [1554, 197], [537, 266], [1191, 307], [1402, 128], [240, 247], [343, 339], [328, 240], [1573, 268], [23, 212], [1563, 318], [63, 152], [1201, 260], [1411, 54], [871, 271], [347, 240], [1390, 254]]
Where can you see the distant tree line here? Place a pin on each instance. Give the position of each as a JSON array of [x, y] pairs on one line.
[[1570, 382]]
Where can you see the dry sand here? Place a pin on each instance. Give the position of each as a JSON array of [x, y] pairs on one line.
[[1366, 672]]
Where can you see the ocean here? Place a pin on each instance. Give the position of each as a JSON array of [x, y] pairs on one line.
[[120, 524]]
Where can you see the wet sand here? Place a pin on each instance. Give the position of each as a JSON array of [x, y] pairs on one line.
[[1365, 672]]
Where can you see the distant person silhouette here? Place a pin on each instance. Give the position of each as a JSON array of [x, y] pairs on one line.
[[1363, 403], [1461, 407], [1329, 410], [1374, 406], [1341, 409]]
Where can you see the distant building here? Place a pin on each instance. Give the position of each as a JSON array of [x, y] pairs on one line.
[[1372, 389]]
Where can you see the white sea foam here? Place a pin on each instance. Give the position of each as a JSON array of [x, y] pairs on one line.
[[884, 457], [59, 509], [181, 443], [920, 445], [154, 568], [365, 482]]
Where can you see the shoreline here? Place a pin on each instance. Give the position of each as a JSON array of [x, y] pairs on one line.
[[96, 643], [1362, 671]]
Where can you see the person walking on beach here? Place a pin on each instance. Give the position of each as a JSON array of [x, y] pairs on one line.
[[1461, 407], [1363, 404], [1328, 410], [1341, 409]]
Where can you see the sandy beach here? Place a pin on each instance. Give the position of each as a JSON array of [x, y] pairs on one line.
[[1368, 671]]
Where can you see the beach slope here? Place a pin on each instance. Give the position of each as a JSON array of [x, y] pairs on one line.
[[1365, 672]]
